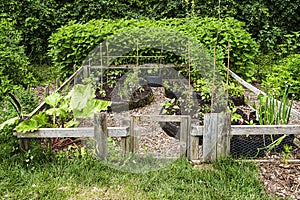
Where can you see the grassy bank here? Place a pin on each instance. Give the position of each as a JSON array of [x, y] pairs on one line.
[[41, 175]]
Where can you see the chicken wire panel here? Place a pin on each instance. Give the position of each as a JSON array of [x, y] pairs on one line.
[[259, 146]]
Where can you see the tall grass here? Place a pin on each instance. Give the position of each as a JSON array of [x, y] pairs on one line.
[[38, 174], [274, 112]]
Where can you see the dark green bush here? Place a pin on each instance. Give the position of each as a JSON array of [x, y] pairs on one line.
[[71, 44], [286, 72], [13, 61]]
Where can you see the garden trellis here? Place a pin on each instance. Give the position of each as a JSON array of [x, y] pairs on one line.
[[216, 133]]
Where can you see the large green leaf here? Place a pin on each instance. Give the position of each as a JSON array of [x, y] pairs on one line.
[[53, 99], [93, 106], [80, 95], [27, 126]]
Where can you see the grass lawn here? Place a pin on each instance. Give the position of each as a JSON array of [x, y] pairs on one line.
[[41, 175]]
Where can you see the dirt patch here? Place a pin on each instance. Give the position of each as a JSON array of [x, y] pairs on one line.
[[281, 180]]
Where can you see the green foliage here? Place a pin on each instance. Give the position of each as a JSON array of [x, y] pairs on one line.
[[33, 124], [79, 103], [170, 107], [267, 21], [71, 44], [286, 153], [270, 112], [8, 114], [82, 101], [286, 72], [13, 61], [235, 90]]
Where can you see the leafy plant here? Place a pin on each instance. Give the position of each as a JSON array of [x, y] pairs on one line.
[[71, 44], [79, 103], [234, 90], [33, 124], [202, 87], [286, 153], [271, 112], [286, 72], [170, 107], [13, 61]]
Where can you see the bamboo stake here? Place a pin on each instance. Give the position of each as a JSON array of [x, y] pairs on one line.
[[213, 81], [227, 78]]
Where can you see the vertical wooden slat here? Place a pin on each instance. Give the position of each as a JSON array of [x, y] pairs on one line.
[[57, 82], [125, 141], [184, 132], [209, 137], [223, 135], [100, 135], [47, 90], [216, 136], [194, 148], [85, 72], [25, 144], [134, 134]]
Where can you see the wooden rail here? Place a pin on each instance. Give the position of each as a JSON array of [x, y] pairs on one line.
[[72, 132], [216, 134]]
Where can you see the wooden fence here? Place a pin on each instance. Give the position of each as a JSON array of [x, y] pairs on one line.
[[216, 134]]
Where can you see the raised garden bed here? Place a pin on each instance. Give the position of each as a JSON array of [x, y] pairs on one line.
[[139, 98]]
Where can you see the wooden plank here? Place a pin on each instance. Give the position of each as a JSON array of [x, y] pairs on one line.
[[160, 118], [223, 135], [72, 132], [216, 136], [184, 132], [134, 134], [265, 129], [194, 148], [132, 66], [255, 130], [257, 91], [210, 137], [197, 130], [100, 135]]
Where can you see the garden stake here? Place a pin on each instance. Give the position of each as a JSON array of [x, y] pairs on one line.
[[227, 78], [213, 81]]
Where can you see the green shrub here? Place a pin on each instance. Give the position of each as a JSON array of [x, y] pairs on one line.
[[13, 61], [286, 72], [71, 44], [27, 99]]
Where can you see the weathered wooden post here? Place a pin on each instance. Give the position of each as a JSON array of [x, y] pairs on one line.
[[185, 126], [216, 141], [194, 142], [134, 134], [57, 82], [100, 135], [125, 141]]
